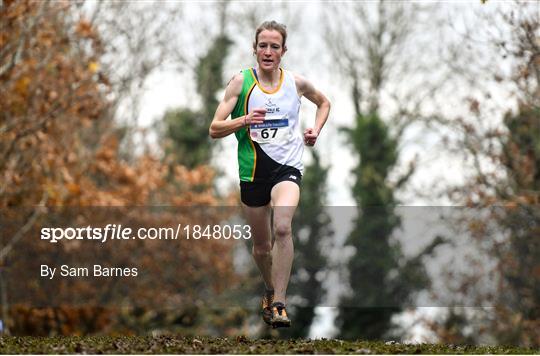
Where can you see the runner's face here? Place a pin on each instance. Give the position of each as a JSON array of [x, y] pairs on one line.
[[269, 49]]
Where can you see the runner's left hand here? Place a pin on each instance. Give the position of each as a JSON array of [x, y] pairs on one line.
[[310, 137]]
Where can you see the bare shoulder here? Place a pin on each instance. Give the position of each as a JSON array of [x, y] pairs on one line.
[[299, 79], [302, 84], [234, 87]]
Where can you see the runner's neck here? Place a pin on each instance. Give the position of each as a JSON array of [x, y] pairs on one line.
[[268, 80]]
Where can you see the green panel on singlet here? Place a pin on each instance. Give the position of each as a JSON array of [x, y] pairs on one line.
[[247, 156]]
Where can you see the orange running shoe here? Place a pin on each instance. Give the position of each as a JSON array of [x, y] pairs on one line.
[[267, 300], [279, 316]]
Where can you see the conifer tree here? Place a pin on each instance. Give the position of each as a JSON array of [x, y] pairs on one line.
[[186, 130], [381, 284]]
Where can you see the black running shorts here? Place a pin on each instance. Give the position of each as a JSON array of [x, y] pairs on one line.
[[256, 194]]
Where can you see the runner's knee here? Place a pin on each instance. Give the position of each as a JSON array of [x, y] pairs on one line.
[[282, 230]]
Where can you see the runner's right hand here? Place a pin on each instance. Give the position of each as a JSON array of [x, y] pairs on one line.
[[256, 116]]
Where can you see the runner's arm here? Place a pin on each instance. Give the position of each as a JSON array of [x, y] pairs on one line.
[[220, 126], [307, 89]]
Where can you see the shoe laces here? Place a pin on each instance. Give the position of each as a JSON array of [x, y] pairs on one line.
[[268, 298], [279, 308]]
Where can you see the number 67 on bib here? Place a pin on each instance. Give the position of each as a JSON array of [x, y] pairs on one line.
[[274, 129]]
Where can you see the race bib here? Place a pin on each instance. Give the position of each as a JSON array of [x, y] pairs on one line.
[[274, 129]]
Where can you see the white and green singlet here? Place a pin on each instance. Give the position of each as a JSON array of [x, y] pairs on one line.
[[266, 149]]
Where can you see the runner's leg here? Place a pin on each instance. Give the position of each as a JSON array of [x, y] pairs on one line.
[[259, 220], [285, 196]]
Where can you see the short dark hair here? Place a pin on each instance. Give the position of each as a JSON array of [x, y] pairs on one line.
[[271, 25]]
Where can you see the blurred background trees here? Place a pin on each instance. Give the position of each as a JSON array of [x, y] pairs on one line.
[[382, 281], [185, 131], [61, 146], [504, 152]]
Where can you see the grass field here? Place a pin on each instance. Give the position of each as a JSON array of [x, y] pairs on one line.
[[239, 345]]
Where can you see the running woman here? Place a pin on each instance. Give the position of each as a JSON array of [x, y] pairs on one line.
[[264, 104]]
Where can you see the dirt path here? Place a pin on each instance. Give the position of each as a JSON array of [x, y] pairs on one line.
[[239, 345]]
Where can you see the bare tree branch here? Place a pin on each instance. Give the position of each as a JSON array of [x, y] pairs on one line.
[[24, 229], [17, 55]]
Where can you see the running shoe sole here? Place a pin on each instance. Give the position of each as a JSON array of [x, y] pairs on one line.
[[284, 323]]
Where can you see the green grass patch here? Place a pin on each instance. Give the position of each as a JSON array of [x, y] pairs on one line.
[[175, 344]]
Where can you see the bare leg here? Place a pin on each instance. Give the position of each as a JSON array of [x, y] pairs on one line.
[[285, 197], [259, 220]]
